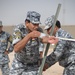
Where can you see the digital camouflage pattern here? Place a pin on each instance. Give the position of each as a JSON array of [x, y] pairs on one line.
[[27, 59], [33, 17], [5, 69], [5, 38], [64, 53]]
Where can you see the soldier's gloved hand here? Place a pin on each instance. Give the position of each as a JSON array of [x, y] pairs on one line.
[[45, 67]]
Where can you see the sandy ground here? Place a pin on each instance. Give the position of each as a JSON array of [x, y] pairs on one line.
[[54, 70]]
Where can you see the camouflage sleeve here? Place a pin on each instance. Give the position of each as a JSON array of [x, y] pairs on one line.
[[10, 49], [56, 54], [59, 49], [17, 36]]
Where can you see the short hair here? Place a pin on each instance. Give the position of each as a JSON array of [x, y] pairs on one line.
[[58, 24], [27, 20]]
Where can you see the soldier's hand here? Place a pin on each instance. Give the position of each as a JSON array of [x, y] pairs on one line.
[[34, 34], [52, 40], [45, 67]]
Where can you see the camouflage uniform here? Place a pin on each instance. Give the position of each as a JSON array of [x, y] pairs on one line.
[[26, 61], [64, 53], [4, 59]]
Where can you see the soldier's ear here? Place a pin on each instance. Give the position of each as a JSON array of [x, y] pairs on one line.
[[56, 28]]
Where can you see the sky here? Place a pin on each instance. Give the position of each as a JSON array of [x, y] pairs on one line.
[[13, 12]]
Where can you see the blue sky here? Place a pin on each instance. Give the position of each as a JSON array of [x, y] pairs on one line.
[[13, 12]]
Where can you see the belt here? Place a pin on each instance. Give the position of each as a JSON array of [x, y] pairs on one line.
[[38, 63], [32, 64]]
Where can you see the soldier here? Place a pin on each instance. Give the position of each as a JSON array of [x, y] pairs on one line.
[[26, 46], [41, 46], [64, 52], [4, 50]]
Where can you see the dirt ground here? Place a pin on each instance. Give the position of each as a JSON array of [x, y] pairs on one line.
[[54, 70]]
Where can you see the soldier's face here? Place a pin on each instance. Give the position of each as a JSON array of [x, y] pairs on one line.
[[1, 28], [33, 27], [49, 30]]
